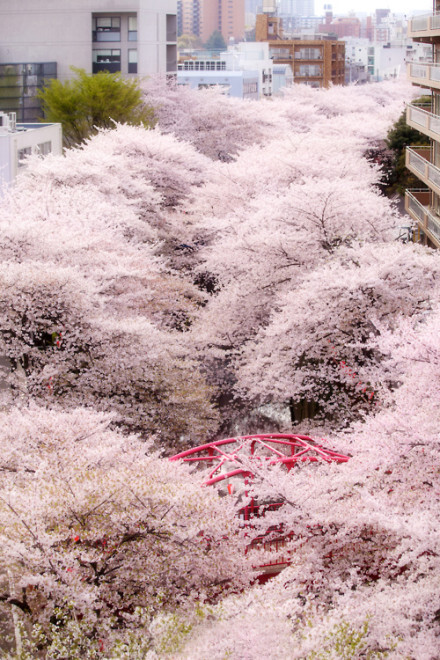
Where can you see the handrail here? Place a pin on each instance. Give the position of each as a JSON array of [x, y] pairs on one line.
[[429, 222], [424, 120], [425, 22]]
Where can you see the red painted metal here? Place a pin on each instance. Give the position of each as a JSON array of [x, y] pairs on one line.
[[232, 457], [224, 456]]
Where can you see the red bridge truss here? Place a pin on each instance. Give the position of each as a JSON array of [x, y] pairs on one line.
[[225, 457], [230, 460]]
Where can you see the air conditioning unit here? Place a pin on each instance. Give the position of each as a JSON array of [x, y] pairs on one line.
[[8, 122], [12, 122]]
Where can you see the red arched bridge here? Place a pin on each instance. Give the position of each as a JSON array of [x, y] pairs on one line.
[[230, 459], [225, 458]]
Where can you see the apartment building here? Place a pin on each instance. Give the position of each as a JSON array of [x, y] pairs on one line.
[[132, 36], [423, 204], [348, 26], [314, 62], [203, 17]]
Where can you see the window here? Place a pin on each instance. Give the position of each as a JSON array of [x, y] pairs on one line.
[[21, 155], [224, 88], [106, 60], [132, 28], [106, 28], [308, 54], [250, 89], [171, 27], [310, 70], [280, 54], [132, 61], [44, 148], [171, 57]]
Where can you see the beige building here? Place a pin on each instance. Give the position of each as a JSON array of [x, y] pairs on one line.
[[131, 36], [203, 17], [423, 204]]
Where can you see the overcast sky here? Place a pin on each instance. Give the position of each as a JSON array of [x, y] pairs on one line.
[[369, 6]]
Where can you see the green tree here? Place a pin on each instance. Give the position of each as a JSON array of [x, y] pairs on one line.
[[189, 41], [89, 102], [216, 41]]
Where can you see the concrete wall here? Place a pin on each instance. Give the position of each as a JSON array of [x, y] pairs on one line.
[[61, 31], [235, 83]]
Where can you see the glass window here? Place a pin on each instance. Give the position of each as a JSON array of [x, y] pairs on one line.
[[132, 61], [106, 28], [308, 54], [107, 56], [107, 60], [132, 28], [21, 155], [45, 148]]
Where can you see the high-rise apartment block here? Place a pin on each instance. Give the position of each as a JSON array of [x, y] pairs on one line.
[[203, 17], [297, 7], [423, 205], [42, 39], [131, 36]]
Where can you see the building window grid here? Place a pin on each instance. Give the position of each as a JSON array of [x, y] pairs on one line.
[[106, 28], [202, 65], [309, 54]]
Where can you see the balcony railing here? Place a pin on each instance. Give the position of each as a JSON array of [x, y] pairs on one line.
[[427, 75], [424, 26], [417, 205], [418, 161], [423, 120]]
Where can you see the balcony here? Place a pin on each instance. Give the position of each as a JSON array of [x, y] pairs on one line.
[[417, 206], [426, 75], [420, 118], [424, 27], [418, 161]]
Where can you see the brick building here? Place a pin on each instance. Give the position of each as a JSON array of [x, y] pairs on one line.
[[203, 17], [314, 62]]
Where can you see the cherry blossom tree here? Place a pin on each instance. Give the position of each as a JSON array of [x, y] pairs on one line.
[[99, 532], [318, 344], [240, 253], [216, 125], [293, 206], [92, 314], [363, 578]]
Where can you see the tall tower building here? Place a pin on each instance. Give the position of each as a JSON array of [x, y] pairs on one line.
[[423, 205], [297, 7], [203, 17]]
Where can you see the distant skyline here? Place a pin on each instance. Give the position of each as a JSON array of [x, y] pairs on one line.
[[369, 6]]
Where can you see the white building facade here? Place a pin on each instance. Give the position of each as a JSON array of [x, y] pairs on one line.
[[130, 36], [239, 84], [20, 140], [252, 56]]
